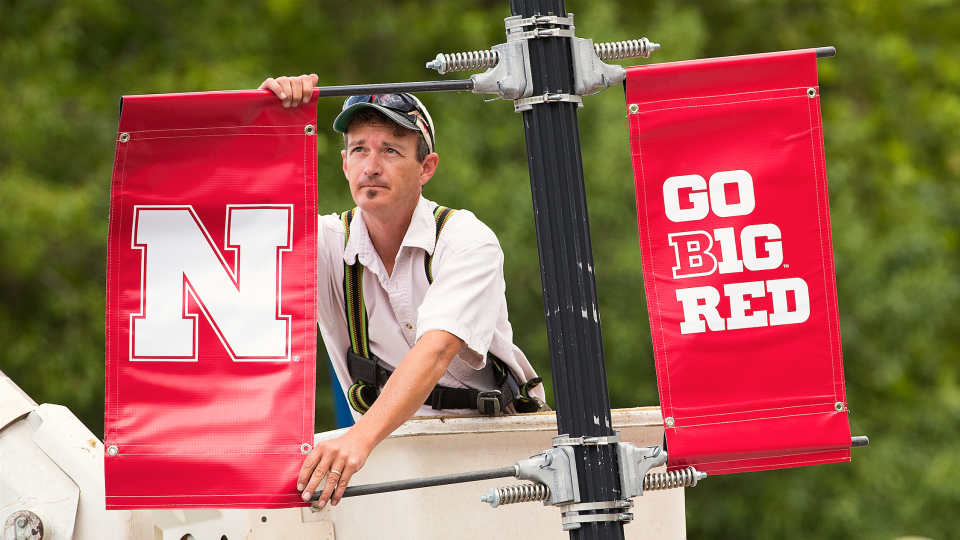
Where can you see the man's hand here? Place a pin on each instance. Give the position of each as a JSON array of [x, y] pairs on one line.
[[400, 399], [338, 460], [292, 90]]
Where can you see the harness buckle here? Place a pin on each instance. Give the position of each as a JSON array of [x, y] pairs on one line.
[[489, 399], [364, 369], [436, 399]]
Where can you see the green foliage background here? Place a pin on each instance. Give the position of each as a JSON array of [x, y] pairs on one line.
[[891, 107]]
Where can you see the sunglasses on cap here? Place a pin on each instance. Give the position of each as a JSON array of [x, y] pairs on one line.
[[397, 102]]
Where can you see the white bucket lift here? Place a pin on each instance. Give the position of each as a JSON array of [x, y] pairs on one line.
[[52, 473]]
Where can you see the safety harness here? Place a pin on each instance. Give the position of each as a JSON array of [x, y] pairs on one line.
[[371, 374]]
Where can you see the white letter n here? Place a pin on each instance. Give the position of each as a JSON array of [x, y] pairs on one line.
[[241, 301]]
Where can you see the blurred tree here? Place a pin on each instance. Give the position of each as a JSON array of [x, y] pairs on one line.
[[891, 107]]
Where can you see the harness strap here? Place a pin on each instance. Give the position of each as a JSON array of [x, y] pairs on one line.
[[371, 374], [440, 214], [357, 323]]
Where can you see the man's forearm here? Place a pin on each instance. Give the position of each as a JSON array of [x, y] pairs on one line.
[[409, 386]]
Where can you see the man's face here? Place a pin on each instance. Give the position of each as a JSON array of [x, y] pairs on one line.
[[382, 168]]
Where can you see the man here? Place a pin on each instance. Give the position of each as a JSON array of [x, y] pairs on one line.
[[434, 303]]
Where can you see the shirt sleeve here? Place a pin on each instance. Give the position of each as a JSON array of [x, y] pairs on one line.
[[466, 294]]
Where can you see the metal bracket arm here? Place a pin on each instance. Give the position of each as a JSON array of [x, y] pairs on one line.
[[510, 78], [555, 468], [635, 463], [590, 74]]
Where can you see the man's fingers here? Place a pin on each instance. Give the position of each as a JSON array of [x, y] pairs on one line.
[[342, 485], [309, 464], [307, 83], [285, 90], [313, 482], [333, 480], [296, 94], [314, 476], [272, 85]]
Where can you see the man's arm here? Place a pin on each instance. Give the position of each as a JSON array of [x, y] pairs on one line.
[[404, 393]]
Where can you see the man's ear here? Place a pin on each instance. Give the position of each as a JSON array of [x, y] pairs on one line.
[[429, 165], [343, 154]]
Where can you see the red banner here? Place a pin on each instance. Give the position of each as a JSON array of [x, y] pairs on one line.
[[211, 301], [738, 262]]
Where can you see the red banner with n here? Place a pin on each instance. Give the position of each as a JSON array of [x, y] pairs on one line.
[[737, 258], [211, 301]]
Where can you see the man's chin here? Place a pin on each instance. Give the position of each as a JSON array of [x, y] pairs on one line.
[[369, 201], [370, 193]]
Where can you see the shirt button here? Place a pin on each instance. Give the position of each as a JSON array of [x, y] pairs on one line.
[[409, 326]]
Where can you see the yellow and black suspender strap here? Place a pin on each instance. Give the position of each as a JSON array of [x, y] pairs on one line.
[[440, 214], [360, 395], [357, 323]]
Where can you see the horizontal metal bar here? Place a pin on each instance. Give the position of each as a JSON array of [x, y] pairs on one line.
[[826, 52], [400, 485], [396, 88], [859, 442]]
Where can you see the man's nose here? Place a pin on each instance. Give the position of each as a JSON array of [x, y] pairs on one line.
[[373, 165]]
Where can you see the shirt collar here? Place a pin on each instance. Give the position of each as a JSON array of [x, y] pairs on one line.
[[422, 233]]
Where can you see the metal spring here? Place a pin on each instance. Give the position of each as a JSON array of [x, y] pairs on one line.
[[624, 49], [469, 60], [523, 493], [670, 480]]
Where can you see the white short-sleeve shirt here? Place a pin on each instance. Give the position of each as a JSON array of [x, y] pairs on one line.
[[466, 298]]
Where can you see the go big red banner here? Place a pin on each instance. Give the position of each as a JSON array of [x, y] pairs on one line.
[[211, 301], [734, 228]]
